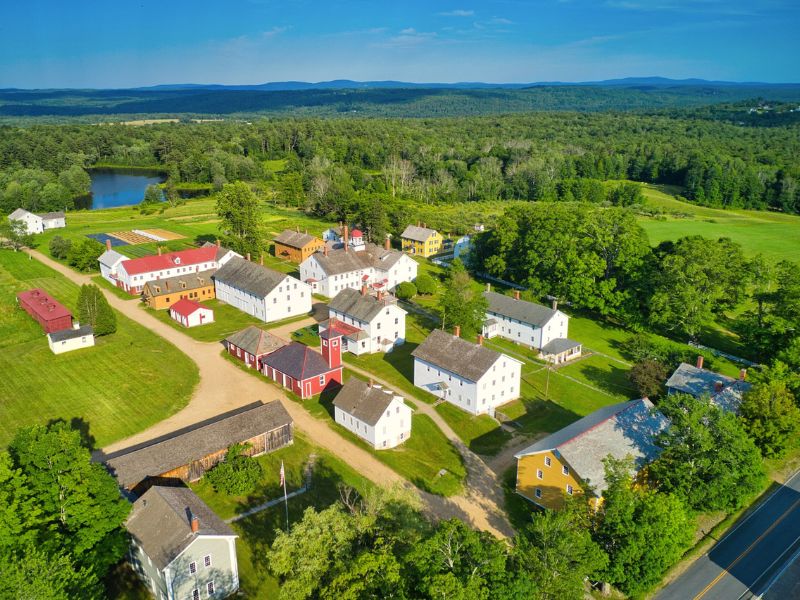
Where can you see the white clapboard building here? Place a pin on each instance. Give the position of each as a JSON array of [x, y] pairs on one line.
[[74, 338], [264, 293], [39, 223], [469, 376], [374, 414]]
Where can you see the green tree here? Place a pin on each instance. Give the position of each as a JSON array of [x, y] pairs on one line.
[[426, 285], [83, 254], [770, 415], [406, 290], [644, 532], [152, 195], [237, 475], [35, 574], [94, 310], [238, 208], [707, 459], [20, 515], [14, 235], [648, 376], [59, 247], [461, 304]]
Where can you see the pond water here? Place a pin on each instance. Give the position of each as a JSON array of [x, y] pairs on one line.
[[118, 187]]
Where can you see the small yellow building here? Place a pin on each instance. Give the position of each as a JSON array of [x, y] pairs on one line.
[[162, 293], [570, 461], [421, 241], [296, 246]]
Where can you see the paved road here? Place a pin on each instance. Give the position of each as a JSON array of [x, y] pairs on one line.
[[742, 564]]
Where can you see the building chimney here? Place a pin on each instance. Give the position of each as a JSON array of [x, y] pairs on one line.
[[555, 304], [248, 257], [480, 340], [488, 287], [380, 295], [364, 290], [742, 374], [700, 361], [718, 386], [218, 243], [346, 237], [516, 294], [387, 243], [457, 331], [159, 250], [108, 244], [195, 524], [325, 249]]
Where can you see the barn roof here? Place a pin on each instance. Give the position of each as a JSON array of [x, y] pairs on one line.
[[295, 239], [250, 277], [162, 262], [366, 307], [298, 361], [697, 382], [43, 304], [520, 310], [418, 234], [255, 340], [70, 334], [465, 359], [170, 285], [185, 307]]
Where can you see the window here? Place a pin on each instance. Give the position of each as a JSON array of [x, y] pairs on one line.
[[195, 594], [207, 560], [322, 379], [210, 588], [192, 568], [538, 493], [539, 474], [569, 489], [546, 461], [565, 470]]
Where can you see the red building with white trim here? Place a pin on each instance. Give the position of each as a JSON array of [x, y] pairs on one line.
[[305, 371], [48, 312], [190, 313], [251, 345]]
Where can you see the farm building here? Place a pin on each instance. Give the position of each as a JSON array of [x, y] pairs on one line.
[[180, 548], [303, 370], [531, 325], [187, 456], [190, 313], [421, 241], [570, 461], [163, 293], [47, 311], [74, 338], [374, 414], [39, 223], [367, 323], [469, 376], [251, 345], [296, 246], [261, 292], [723, 391]]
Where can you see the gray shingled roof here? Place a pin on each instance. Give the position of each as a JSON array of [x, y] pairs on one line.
[[697, 382], [256, 341], [628, 428], [295, 239], [418, 234], [363, 308], [170, 285], [69, 334], [52, 215], [520, 310], [18, 213], [131, 468], [559, 345], [341, 261], [109, 257], [248, 276], [160, 522], [298, 361], [365, 403], [221, 250], [456, 355]]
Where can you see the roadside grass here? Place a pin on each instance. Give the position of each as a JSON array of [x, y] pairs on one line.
[[419, 459], [480, 433], [106, 285], [117, 388]]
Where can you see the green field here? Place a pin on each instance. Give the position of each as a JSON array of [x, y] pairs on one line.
[[117, 388], [775, 235]]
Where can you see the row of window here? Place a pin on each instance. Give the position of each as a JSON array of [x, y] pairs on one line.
[[538, 492], [540, 473], [209, 591], [206, 564]]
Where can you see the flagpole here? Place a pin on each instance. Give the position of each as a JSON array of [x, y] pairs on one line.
[[285, 497]]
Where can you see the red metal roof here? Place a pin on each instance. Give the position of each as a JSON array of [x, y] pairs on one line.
[[337, 328], [181, 258], [185, 307], [356, 233], [43, 304]]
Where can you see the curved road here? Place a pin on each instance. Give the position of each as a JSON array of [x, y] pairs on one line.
[[224, 387]]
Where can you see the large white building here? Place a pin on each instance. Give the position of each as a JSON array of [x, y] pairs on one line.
[[331, 271], [374, 414], [469, 376], [531, 325], [39, 223], [368, 323], [259, 291]]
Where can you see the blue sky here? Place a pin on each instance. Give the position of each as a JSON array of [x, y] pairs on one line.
[[119, 43]]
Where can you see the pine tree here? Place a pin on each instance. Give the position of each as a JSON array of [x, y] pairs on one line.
[[93, 310]]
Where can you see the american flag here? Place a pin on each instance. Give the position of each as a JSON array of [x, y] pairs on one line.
[[283, 475]]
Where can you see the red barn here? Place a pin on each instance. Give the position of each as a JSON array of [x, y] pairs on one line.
[[50, 313], [303, 370], [251, 345]]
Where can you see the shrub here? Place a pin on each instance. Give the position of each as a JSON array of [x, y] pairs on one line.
[[237, 475], [83, 254], [425, 284], [648, 376], [642, 346], [59, 247], [406, 290]]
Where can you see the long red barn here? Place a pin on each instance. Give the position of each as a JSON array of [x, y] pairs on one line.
[[50, 313]]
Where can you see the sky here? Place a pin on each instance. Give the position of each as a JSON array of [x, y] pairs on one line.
[[129, 43]]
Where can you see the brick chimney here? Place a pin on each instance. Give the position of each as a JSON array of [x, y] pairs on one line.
[[195, 524], [387, 243], [742, 374], [516, 294], [364, 290], [480, 340], [346, 237], [700, 361], [218, 243], [718, 386], [380, 295], [325, 249], [457, 331], [108, 244]]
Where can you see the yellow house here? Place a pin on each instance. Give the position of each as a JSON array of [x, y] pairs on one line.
[[421, 241], [163, 293], [570, 461]]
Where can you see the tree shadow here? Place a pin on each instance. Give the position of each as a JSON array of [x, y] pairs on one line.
[[613, 380], [80, 425], [205, 237]]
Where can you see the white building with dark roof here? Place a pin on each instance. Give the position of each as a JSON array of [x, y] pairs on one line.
[[180, 548], [39, 223], [369, 323], [530, 324], [264, 293], [723, 391], [470, 376], [376, 415], [74, 338]]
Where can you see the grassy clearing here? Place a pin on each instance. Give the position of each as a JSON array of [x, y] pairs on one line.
[[481, 433], [117, 388]]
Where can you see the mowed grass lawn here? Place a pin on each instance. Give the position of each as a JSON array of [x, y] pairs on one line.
[[127, 382]]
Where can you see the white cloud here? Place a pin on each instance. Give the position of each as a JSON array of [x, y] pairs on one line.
[[459, 12], [277, 30]]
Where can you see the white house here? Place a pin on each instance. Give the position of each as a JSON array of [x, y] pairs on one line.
[[262, 292], [180, 548], [381, 268], [109, 262], [190, 313], [67, 340], [376, 415], [469, 376], [132, 273], [531, 325], [38, 223], [461, 246], [368, 323]]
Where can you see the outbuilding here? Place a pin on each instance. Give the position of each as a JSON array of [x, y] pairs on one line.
[[251, 345], [190, 313], [47, 311], [74, 338]]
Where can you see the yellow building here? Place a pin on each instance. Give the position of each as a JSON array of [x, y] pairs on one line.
[[570, 461], [421, 241], [163, 293]]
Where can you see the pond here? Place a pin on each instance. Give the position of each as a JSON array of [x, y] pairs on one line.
[[118, 187]]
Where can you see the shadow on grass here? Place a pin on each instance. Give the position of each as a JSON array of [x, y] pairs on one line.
[[491, 442], [543, 416], [613, 380]]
